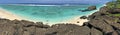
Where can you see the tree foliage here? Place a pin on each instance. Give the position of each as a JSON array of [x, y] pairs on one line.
[[114, 4]]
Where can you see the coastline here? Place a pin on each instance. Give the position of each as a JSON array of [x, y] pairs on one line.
[[7, 15], [76, 20], [102, 22], [81, 21]]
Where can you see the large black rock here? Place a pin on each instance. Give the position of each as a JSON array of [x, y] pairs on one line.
[[83, 17], [89, 9], [92, 8], [115, 11]]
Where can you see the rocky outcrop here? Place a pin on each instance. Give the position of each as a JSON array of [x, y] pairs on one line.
[[83, 17], [23, 27], [115, 11], [92, 8], [96, 32], [104, 22], [89, 9], [100, 23]]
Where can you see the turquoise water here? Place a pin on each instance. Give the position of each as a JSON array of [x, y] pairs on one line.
[[48, 14]]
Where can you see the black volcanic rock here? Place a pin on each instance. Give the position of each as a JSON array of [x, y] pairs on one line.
[[96, 32], [104, 9], [100, 23], [92, 8], [115, 11], [27, 23], [95, 15], [114, 33], [83, 17], [70, 29], [39, 24], [89, 9], [80, 31], [103, 22], [17, 27]]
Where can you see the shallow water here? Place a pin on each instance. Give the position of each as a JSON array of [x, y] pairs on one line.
[[48, 14]]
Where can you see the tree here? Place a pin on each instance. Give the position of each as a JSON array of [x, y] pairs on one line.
[[117, 4]]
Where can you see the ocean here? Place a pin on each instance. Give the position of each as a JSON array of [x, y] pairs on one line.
[[51, 14]]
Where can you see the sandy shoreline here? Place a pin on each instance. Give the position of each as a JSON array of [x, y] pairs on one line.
[[76, 20], [5, 14]]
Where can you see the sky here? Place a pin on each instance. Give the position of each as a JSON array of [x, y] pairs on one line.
[[54, 1]]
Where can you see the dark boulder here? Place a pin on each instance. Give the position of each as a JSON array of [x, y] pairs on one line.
[[89, 9], [27, 23], [113, 21], [80, 31], [114, 33], [104, 9], [92, 8], [30, 30], [83, 17], [71, 29], [95, 15], [39, 24], [101, 25], [115, 11], [96, 32]]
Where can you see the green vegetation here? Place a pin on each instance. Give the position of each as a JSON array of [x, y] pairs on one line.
[[114, 4], [117, 15], [110, 5]]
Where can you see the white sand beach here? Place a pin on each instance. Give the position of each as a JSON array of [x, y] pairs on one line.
[[76, 20], [5, 14]]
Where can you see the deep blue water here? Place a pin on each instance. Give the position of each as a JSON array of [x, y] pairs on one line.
[[49, 13]]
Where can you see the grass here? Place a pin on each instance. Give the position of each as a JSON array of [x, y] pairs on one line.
[[115, 19], [118, 6], [117, 15], [112, 4]]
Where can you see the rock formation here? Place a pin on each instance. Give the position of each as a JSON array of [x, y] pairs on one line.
[[89, 9], [92, 8], [83, 17], [115, 11], [23, 27], [103, 22]]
